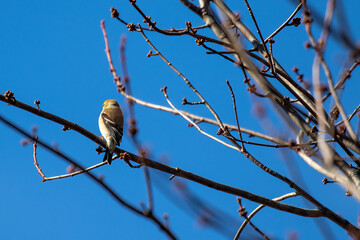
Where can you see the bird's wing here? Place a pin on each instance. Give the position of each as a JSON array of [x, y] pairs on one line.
[[115, 130]]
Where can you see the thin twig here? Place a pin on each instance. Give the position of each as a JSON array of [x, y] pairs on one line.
[[174, 33], [297, 9], [184, 78], [193, 123], [346, 75], [349, 117], [252, 214], [74, 173], [133, 126], [235, 112], [319, 52], [271, 60], [202, 119], [107, 51], [243, 213], [213, 51], [35, 160]]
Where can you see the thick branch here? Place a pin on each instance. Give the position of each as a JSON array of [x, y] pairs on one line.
[[171, 170]]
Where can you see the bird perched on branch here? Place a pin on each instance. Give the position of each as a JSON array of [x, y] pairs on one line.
[[111, 122]]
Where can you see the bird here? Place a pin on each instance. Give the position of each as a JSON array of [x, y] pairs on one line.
[[111, 122]]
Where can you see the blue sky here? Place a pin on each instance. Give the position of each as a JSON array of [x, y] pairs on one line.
[[54, 52]]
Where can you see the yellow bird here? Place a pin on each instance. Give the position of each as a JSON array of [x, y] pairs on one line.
[[111, 122]]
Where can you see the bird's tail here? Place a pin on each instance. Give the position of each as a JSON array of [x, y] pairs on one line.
[[108, 156]]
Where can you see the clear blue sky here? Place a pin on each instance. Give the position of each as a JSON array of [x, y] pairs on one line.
[[53, 51]]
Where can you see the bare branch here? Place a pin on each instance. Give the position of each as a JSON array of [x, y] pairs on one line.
[[297, 9], [187, 175], [252, 214]]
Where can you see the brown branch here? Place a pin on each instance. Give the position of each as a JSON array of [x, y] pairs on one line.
[[152, 25], [98, 140], [107, 51], [177, 171], [182, 31], [185, 102]]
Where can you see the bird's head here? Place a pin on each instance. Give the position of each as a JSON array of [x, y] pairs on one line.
[[109, 103]]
